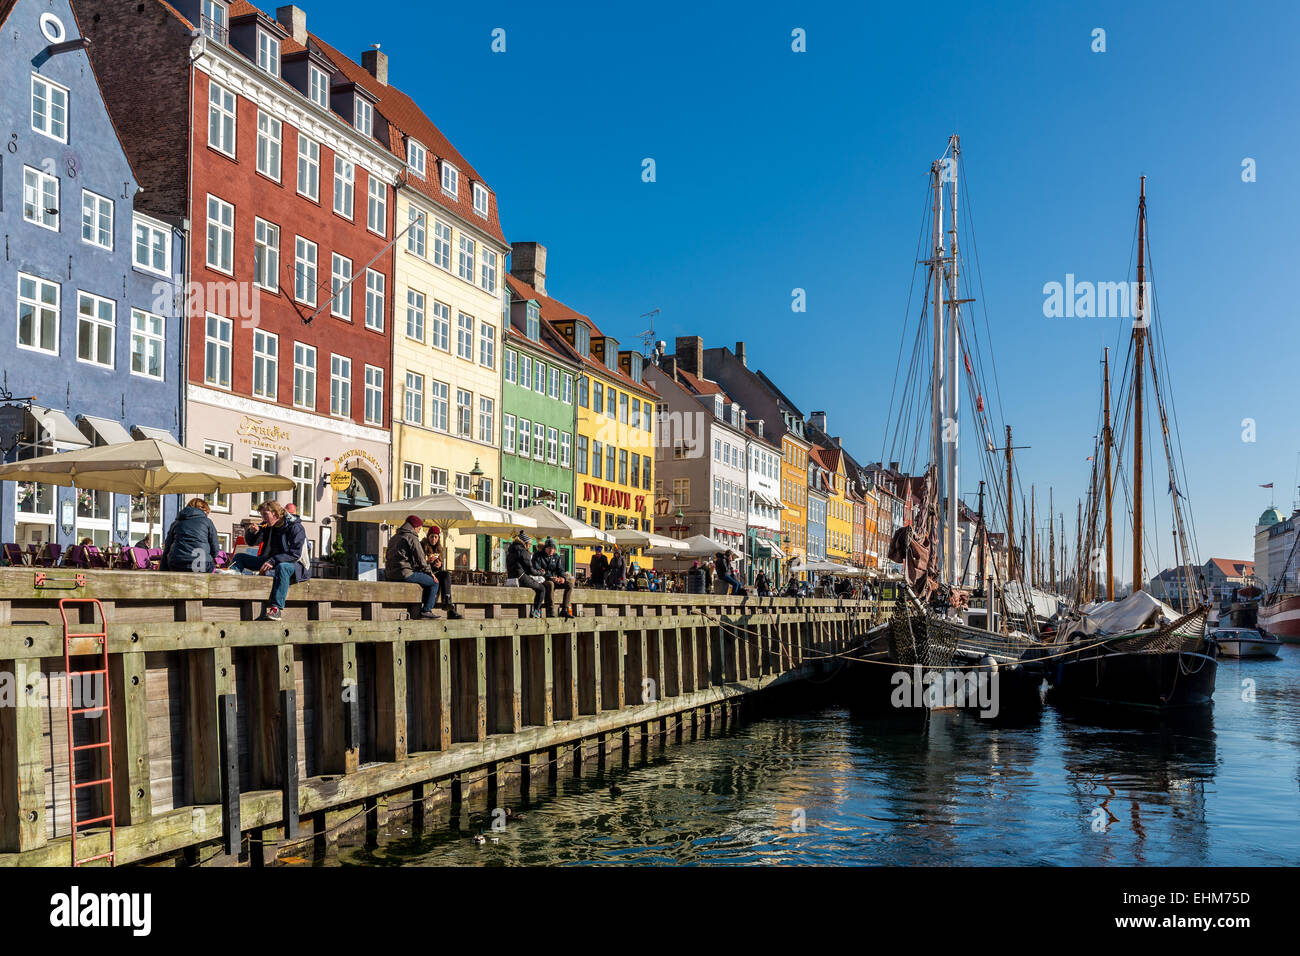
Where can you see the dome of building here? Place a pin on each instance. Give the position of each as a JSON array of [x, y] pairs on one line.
[[1270, 517]]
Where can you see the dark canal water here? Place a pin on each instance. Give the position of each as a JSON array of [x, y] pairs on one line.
[[827, 787]]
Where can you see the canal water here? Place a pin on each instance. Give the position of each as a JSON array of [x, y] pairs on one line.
[[825, 786]]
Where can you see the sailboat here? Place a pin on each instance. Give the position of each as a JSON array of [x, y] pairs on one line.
[[1135, 652], [940, 624]]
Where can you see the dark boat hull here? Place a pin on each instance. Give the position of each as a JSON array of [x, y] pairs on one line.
[[1137, 680]]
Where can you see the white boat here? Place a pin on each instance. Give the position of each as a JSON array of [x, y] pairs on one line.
[[1244, 642]]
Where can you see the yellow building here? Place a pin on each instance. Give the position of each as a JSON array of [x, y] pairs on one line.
[[613, 466], [794, 491], [449, 307], [839, 508]]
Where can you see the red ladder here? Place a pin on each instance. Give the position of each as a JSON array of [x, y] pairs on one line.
[[100, 638]]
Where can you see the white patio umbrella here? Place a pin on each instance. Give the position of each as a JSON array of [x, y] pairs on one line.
[[819, 566], [633, 538], [449, 512], [565, 530], [696, 546]]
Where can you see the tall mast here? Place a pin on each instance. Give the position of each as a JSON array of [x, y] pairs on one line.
[[1139, 360], [1011, 514], [1033, 537], [938, 368], [980, 536], [952, 378], [1051, 543], [1106, 440]]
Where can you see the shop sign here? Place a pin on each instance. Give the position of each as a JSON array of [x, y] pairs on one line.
[[262, 434]]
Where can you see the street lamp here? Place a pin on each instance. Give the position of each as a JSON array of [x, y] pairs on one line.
[[477, 484]]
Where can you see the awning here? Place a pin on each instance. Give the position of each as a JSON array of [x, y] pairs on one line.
[[776, 550], [110, 431], [57, 428], [144, 431], [767, 500]]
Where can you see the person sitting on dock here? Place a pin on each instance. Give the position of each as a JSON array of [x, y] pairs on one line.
[[551, 566], [405, 561], [436, 552], [722, 564], [191, 543], [519, 565], [282, 541]]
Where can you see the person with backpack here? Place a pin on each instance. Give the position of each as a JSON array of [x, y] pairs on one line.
[[282, 543], [191, 543]]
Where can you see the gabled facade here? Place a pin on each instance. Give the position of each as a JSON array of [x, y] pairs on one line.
[[89, 329], [763, 533]]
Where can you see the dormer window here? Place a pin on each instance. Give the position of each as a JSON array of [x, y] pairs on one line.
[[215, 21], [415, 156], [717, 407], [363, 116], [611, 354], [634, 363], [268, 53], [480, 200], [318, 86], [533, 322], [582, 340], [450, 179]]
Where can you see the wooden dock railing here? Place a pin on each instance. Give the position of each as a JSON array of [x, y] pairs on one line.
[[223, 725]]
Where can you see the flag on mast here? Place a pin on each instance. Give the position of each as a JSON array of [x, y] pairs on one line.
[[1269, 485]]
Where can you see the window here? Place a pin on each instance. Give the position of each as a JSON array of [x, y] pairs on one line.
[[266, 254], [525, 438], [450, 179], [217, 502], [147, 344], [466, 260], [523, 498], [682, 492], [622, 407], [268, 53], [512, 366], [636, 412], [38, 314], [598, 398], [415, 315], [49, 108], [611, 406], [465, 336], [440, 327], [566, 395], [622, 466], [308, 168], [340, 386], [507, 494], [374, 395], [552, 445], [582, 339], [96, 325], [717, 449], [415, 233], [507, 436], [597, 460], [486, 420], [266, 364], [345, 175], [487, 345], [562, 502], [584, 385], [413, 402], [533, 322], [566, 450], [437, 481], [318, 86], [221, 119], [525, 370], [304, 486], [40, 198], [340, 286], [464, 411], [539, 378], [438, 414], [554, 391], [363, 116], [216, 352], [480, 200], [376, 205], [412, 479], [268, 145], [581, 466], [415, 156], [635, 473], [152, 247], [609, 462], [214, 20], [304, 270], [304, 375], [221, 235], [442, 245], [488, 271], [96, 220], [717, 494]]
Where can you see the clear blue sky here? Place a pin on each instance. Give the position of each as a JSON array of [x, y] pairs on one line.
[[778, 170]]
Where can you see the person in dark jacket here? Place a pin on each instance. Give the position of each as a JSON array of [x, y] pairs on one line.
[[762, 585], [616, 575], [436, 552], [599, 565], [519, 564], [722, 564], [191, 542], [405, 561], [282, 543], [551, 566]]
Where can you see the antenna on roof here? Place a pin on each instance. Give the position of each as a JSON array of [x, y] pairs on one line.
[[648, 336]]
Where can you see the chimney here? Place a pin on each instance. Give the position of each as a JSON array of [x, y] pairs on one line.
[[293, 19], [528, 264], [893, 466], [740, 353], [818, 420], [838, 443], [376, 64], [669, 364], [690, 354]]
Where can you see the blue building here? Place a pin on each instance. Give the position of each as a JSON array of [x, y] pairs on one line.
[[89, 336]]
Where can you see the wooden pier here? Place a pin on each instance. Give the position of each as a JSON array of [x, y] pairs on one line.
[[230, 733]]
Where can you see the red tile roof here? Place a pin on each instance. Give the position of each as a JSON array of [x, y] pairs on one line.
[[698, 385], [1234, 569]]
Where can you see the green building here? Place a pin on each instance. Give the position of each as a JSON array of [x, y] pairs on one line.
[[537, 409]]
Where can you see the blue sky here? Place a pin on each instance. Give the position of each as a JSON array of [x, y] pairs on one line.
[[779, 170]]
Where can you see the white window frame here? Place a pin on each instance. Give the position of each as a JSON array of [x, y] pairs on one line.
[[450, 179], [486, 419], [442, 241], [363, 115], [525, 445], [507, 435], [481, 200], [303, 472], [266, 254], [374, 411], [465, 336], [416, 234], [308, 168], [415, 305], [220, 235], [552, 445], [97, 204], [376, 205], [49, 127], [222, 110], [305, 271], [439, 406], [222, 451], [340, 286], [566, 393], [539, 441], [304, 376], [413, 399], [323, 100], [152, 339], [487, 345], [266, 365], [268, 53], [97, 322], [566, 449], [376, 293], [465, 258], [464, 413], [155, 236], [39, 309], [340, 386], [412, 479], [488, 270], [221, 345], [416, 156], [440, 326], [510, 372], [39, 181], [345, 177], [270, 140]]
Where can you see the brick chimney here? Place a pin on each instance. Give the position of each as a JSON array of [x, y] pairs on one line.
[[528, 264], [375, 63], [669, 364], [740, 353], [690, 354], [293, 19]]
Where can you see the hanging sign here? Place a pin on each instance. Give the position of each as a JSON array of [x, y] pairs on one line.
[[341, 481]]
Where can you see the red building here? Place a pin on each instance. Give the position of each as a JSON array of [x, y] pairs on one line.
[[249, 134]]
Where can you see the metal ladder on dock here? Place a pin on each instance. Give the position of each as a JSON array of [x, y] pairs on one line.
[[100, 637]]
